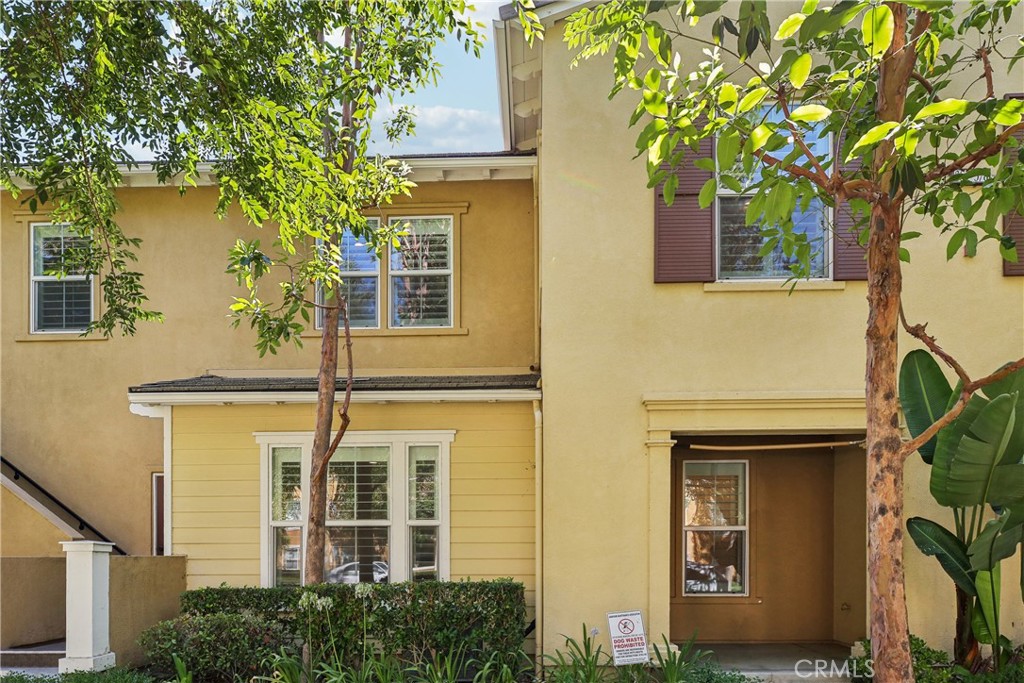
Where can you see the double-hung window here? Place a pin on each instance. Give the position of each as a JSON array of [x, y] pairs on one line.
[[58, 304], [416, 275], [715, 527], [387, 513], [741, 253]]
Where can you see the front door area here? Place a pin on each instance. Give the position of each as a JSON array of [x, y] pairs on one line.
[[769, 540]]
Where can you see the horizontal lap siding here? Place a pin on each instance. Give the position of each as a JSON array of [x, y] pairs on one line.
[[216, 480]]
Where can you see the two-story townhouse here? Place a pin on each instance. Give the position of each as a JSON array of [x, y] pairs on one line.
[[701, 423], [435, 478]]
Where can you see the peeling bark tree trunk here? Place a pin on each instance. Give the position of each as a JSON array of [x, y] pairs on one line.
[[890, 642], [317, 502]]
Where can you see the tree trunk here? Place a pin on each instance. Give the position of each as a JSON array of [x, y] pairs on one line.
[[890, 644], [890, 633], [317, 502]]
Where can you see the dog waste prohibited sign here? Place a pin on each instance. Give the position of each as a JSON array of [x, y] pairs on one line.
[[629, 642]]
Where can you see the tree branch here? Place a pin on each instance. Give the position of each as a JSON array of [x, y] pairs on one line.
[[924, 82], [974, 158], [792, 169], [799, 140]]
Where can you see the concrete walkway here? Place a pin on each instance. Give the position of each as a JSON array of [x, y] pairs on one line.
[[784, 662]]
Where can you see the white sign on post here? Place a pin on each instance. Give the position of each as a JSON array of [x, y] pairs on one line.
[[629, 642]]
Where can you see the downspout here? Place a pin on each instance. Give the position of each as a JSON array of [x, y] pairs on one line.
[[538, 507]]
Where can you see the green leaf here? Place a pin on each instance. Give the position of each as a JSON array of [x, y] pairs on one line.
[[752, 99], [760, 136], [924, 394], [790, 25], [800, 70], [727, 148], [873, 137], [728, 97], [707, 193], [997, 541], [987, 584], [937, 541], [877, 29], [810, 113], [950, 107]]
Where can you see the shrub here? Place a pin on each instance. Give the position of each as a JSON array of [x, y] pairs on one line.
[[414, 621], [213, 647], [115, 675]]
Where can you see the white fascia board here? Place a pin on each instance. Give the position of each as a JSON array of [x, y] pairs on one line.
[[193, 398], [500, 30]]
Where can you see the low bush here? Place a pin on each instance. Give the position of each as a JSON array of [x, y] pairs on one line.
[[930, 665], [214, 647], [116, 675]]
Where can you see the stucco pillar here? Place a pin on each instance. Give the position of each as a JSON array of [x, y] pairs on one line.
[[88, 607], [659, 533]]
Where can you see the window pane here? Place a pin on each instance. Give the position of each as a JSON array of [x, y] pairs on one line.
[[715, 494], [425, 246], [361, 295], [816, 138], [356, 555], [420, 301], [286, 484], [357, 483], [423, 553], [357, 252], [288, 556], [49, 244], [423, 463], [63, 304], [715, 562], [739, 243]]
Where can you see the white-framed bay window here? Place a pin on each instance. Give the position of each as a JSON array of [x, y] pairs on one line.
[[387, 515], [716, 530], [58, 304]]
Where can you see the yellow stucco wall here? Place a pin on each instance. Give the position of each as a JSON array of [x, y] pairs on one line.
[[216, 484], [611, 336], [26, 533], [65, 418]]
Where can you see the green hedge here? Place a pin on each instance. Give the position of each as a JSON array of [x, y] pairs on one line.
[[412, 621]]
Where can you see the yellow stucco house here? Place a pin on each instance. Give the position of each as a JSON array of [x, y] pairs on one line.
[[608, 400]]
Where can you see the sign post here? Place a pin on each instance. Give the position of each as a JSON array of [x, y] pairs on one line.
[[629, 641]]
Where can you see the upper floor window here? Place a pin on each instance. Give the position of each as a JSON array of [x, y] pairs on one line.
[[417, 276], [744, 252], [387, 512], [58, 304]]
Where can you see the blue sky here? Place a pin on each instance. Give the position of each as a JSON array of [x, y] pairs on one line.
[[460, 113]]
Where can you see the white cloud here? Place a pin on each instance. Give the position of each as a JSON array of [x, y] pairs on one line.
[[441, 128]]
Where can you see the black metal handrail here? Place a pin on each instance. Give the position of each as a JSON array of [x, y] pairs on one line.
[[82, 524]]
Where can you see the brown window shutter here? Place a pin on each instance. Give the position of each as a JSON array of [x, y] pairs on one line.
[[684, 234], [1013, 225], [848, 256]]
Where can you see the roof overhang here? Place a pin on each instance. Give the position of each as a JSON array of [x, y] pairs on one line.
[[217, 390], [421, 169]]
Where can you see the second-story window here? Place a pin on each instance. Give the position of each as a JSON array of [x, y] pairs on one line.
[[744, 252], [411, 287], [59, 304]]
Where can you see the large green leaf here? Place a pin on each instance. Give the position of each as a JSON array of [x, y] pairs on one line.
[[963, 476], [924, 395], [877, 29], [1008, 385], [997, 541], [937, 541], [986, 628]]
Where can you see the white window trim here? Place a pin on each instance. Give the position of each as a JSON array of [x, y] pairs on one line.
[[449, 272], [399, 441], [745, 528], [726, 192], [384, 272], [33, 279]]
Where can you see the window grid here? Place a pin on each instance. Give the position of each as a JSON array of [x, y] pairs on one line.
[[386, 304], [739, 509], [826, 219], [70, 294]]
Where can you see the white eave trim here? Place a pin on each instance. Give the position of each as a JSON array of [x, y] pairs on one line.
[[195, 398]]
